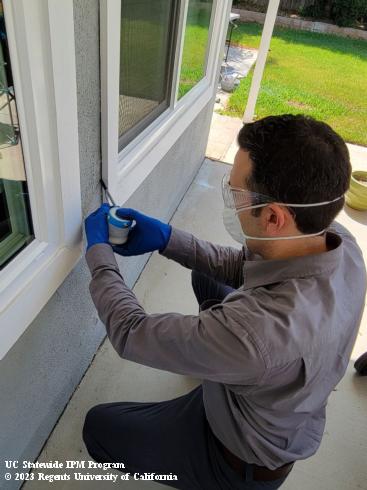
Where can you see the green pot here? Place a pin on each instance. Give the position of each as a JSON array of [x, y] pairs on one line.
[[356, 197]]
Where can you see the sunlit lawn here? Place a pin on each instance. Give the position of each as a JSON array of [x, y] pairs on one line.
[[195, 46], [193, 58], [144, 63], [316, 74]]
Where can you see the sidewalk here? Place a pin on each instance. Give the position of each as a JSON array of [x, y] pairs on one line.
[[222, 144], [224, 128]]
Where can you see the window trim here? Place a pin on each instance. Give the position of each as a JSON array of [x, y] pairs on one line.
[[42, 49], [130, 135], [15, 240], [207, 51], [134, 131], [124, 171]]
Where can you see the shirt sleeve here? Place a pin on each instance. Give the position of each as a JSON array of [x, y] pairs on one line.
[[213, 345], [225, 264]]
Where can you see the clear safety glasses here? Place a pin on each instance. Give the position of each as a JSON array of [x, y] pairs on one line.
[[241, 199]]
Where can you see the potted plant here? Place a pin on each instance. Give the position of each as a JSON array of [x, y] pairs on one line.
[[356, 197]]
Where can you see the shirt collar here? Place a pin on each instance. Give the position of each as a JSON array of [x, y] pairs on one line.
[[262, 272]]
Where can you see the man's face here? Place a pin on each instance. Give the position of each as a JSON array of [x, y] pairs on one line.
[[274, 220], [242, 169]]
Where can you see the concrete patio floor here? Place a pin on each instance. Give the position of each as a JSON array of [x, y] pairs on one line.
[[239, 62], [340, 463], [222, 142], [224, 128]]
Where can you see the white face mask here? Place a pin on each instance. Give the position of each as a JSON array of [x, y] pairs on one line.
[[237, 200], [233, 226]]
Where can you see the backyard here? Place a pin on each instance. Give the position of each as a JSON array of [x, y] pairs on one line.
[[144, 64], [320, 75], [195, 46]]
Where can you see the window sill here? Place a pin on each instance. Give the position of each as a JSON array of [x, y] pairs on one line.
[[138, 160]]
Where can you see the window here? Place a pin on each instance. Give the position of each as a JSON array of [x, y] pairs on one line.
[[40, 201], [146, 62], [15, 222], [196, 42], [153, 53]]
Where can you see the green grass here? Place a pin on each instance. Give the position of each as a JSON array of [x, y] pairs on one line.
[[195, 46], [143, 63], [193, 58], [320, 75]]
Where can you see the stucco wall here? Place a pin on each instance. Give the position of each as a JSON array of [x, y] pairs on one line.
[[41, 371]]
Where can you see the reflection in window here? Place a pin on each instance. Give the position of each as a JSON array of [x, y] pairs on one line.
[[195, 44], [15, 221], [148, 35]]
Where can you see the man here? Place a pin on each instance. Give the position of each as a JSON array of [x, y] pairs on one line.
[[276, 324]]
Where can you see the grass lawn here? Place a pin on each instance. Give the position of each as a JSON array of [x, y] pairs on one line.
[[193, 57], [144, 63], [320, 75], [195, 45]]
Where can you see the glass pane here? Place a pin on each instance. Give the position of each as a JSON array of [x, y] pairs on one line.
[[147, 35], [15, 222], [195, 44]]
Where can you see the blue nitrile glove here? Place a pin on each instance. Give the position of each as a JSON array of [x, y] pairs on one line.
[[96, 226], [148, 234]]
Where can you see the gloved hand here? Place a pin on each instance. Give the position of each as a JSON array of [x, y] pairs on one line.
[[96, 226], [148, 234]]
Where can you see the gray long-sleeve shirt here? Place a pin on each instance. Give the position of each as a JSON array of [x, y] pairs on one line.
[[269, 355]]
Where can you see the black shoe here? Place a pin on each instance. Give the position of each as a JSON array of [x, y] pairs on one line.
[[361, 365]]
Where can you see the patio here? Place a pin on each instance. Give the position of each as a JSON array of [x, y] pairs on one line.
[[341, 461]]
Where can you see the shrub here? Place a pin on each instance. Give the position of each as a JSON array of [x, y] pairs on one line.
[[342, 12], [317, 9], [347, 12]]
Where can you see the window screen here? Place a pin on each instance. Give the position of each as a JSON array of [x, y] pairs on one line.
[[148, 39], [15, 221], [196, 41]]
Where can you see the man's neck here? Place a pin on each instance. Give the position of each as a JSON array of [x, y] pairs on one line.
[[286, 249]]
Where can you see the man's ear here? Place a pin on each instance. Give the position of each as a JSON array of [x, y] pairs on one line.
[[274, 219]]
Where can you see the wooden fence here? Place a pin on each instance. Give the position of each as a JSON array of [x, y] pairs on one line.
[[285, 5]]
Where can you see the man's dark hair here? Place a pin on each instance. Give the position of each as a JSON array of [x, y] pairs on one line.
[[297, 159]]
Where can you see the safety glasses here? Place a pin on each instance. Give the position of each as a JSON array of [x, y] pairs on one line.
[[241, 199]]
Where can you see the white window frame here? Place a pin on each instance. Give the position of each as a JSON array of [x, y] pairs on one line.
[[42, 50], [123, 172]]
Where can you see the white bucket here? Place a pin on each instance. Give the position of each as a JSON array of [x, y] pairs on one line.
[[228, 81]]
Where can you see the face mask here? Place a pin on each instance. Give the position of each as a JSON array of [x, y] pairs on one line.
[[237, 200], [233, 226]]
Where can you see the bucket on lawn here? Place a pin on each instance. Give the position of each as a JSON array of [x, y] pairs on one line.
[[228, 82]]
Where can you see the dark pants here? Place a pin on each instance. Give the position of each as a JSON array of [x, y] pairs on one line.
[[169, 437]]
